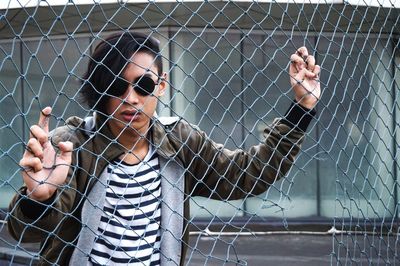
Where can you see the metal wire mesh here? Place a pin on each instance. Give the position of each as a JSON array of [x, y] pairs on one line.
[[227, 73]]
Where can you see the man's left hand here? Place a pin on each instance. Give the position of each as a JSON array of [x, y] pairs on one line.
[[304, 78]]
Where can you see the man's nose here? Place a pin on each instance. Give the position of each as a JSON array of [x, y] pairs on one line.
[[132, 97]]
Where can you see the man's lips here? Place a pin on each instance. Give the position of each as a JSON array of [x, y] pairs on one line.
[[129, 116]]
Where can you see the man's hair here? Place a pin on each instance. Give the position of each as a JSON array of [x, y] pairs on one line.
[[108, 62]]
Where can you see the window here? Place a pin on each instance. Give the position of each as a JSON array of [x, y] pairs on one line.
[[49, 80], [350, 146], [357, 177], [232, 86], [11, 120]]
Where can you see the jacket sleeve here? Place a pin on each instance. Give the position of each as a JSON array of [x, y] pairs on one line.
[[32, 221], [216, 172]]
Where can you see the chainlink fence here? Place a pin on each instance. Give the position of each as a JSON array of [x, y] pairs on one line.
[[227, 64]]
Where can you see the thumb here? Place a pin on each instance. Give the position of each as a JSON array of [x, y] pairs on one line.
[[66, 148]]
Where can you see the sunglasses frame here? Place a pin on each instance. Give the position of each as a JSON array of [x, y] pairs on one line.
[[140, 85]]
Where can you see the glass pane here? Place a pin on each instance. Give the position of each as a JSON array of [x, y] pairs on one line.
[[268, 95], [205, 92], [164, 106], [356, 128], [53, 68], [397, 114], [10, 120]]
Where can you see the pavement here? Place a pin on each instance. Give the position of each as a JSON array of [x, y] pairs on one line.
[[232, 249], [271, 249], [282, 248]]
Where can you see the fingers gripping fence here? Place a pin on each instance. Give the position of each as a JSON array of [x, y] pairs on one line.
[[136, 185]]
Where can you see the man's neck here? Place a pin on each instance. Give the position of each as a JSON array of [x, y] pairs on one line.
[[136, 146]]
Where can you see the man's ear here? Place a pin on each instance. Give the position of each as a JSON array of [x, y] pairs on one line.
[[162, 86]]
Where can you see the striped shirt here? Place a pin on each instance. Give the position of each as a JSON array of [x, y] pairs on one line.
[[129, 230]]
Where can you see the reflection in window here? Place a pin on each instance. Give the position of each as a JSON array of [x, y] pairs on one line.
[[10, 120], [49, 69], [356, 128]]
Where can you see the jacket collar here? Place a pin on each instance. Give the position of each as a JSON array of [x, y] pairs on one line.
[[160, 139], [96, 128]]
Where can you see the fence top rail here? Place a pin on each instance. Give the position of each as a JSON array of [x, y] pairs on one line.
[[12, 4]]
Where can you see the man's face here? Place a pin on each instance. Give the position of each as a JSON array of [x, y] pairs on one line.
[[131, 112]]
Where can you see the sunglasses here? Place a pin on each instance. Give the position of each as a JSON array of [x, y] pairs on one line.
[[143, 85]]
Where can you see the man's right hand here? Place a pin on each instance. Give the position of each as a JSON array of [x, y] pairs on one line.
[[44, 169]]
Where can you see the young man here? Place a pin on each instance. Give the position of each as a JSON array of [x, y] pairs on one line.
[[114, 188]]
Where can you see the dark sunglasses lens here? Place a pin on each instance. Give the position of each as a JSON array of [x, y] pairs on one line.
[[144, 86], [118, 87]]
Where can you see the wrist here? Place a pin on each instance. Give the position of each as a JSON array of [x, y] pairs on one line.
[[308, 102], [40, 193], [298, 116], [34, 208]]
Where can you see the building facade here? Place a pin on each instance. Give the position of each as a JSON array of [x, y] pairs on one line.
[[227, 64]]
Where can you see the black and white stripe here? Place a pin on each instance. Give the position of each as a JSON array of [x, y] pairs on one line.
[[129, 230]]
